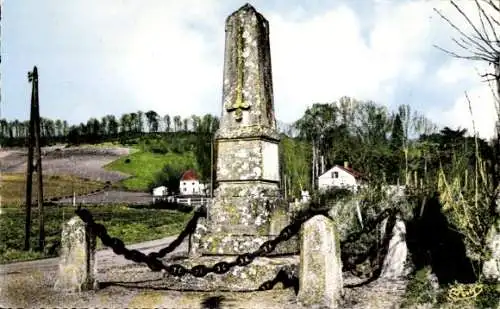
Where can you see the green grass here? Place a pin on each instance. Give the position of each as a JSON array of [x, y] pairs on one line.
[[13, 187], [129, 224], [143, 167]]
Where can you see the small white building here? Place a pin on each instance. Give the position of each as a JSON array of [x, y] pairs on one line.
[[190, 184], [305, 197], [160, 193], [339, 177]]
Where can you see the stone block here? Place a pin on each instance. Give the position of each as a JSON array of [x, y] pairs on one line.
[[247, 159], [201, 229], [77, 266], [320, 269], [242, 216]]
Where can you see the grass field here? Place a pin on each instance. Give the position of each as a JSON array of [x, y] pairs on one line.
[[13, 187], [143, 167], [129, 224]]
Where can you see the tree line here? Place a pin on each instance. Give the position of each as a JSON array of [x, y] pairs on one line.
[[15, 132]]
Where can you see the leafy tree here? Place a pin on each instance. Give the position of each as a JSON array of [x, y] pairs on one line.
[[296, 169], [167, 121], [170, 177], [152, 119], [177, 123], [140, 121]]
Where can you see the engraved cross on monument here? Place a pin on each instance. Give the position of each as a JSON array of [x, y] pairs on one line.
[[246, 210]]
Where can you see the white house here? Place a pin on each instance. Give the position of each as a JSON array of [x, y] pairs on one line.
[[305, 197], [190, 184], [339, 177], [160, 192]]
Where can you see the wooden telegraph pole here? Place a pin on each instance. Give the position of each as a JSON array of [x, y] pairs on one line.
[[29, 171], [41, 239], [35, 135]]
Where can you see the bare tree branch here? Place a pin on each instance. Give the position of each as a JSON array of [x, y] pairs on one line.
[[490, 2], [483, 54], [464, 36], [483, 13], [480, 13], [473, 57], [481, 37]]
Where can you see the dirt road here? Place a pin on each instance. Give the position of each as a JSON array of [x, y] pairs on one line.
[[105, 258]]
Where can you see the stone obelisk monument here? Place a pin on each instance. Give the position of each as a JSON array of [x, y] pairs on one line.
[[245, 210]]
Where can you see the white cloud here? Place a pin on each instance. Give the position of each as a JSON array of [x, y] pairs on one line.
[[456, 70], [483, 112], [463, 76], [326, 57]]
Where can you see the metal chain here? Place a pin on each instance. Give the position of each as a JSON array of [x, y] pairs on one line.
[[178, 270], [189, 229]]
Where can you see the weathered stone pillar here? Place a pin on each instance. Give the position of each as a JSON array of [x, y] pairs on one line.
[[395, 262], [77, 267], [491, 267], [246, 199], [320, 270]]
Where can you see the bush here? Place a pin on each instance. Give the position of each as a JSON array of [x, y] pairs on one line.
[[419, 289]]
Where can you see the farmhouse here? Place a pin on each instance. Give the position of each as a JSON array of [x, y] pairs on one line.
[[340, 177], [160, 193], [190, 184]]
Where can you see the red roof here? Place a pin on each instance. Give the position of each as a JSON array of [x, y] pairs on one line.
[[350, 171], [189, 175]]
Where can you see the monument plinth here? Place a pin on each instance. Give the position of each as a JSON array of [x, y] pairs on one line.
[[245, 210]]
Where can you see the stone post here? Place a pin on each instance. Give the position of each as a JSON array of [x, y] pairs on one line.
[[247, 191], [77, 267], [320, 270], [491, 267], [395, 262]]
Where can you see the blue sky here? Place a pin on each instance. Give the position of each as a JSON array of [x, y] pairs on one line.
[[111, 57]]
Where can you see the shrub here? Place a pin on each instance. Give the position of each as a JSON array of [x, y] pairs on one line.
[[420, 289]]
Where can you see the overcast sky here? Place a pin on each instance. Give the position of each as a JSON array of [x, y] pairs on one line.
[[100, 57]]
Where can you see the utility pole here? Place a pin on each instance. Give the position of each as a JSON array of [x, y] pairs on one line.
[[33, 76], [212, 167], [29, 171]]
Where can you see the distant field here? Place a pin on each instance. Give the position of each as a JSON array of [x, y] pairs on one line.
[[143, 167], [83, 162], [129, 224], [13, 187]]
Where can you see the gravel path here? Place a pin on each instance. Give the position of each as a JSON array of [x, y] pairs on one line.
[[105, 258]]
